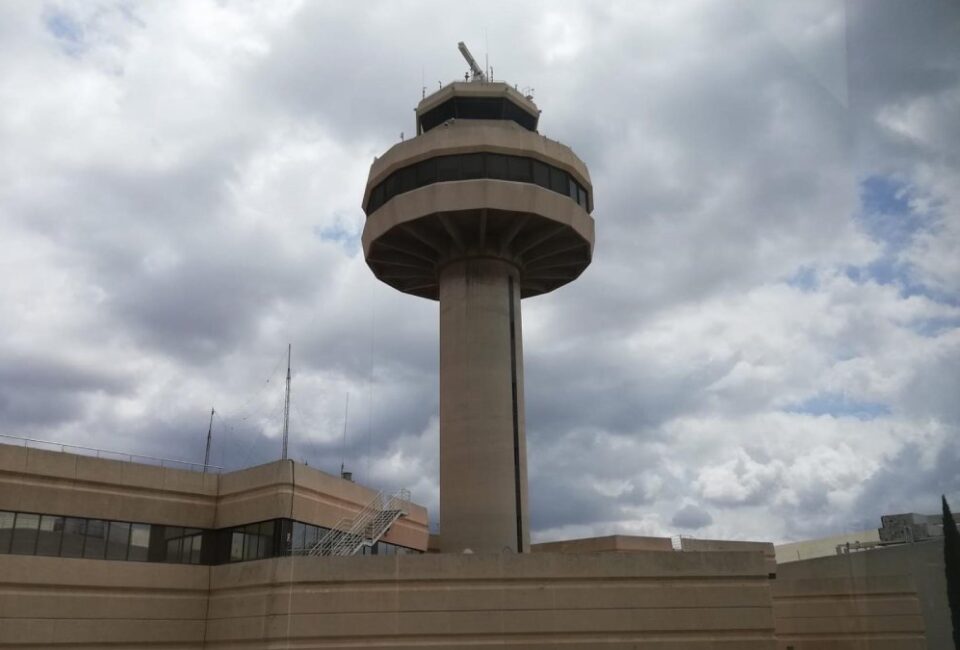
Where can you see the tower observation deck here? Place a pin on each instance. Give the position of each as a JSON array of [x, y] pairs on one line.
[[478, 211]]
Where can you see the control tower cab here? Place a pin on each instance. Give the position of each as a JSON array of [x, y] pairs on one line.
[[478, 211]]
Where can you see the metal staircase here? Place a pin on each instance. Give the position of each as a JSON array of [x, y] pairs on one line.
[[366, 528]]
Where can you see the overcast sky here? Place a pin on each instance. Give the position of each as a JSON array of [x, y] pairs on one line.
[[766, 346]]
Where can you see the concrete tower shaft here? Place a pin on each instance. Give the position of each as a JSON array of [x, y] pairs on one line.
[[479, 211]]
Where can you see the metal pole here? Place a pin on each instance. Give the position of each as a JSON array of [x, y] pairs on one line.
[[206, 455], [286, 408]]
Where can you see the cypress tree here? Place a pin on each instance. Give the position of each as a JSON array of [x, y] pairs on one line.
[[951, 564]]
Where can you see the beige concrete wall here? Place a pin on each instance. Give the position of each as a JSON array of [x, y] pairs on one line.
[[654, 600], [56, 483], [825, 547], [769, 554], [54, 603], [608, 544], [319, 497], [862, 601], [34, 480]]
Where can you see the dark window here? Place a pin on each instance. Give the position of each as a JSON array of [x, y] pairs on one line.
[[496, 166], [48, 539], [407, 179], [376, 198], [6, 530], [513, 112], [192, 546], [314, 535], [25, 533], [558, 180], [518, 169], [118, 539], [250, 541], [471, 165], [139, 542], [173, 543], [297, 536], [480, 165], [73, 532], [426, 172], [265, 547], [236, 545], [477, 108], [541, 174], [390, 187], [96, 539], [448, 168]]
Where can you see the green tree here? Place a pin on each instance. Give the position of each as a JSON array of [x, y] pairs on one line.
[[951, 562]]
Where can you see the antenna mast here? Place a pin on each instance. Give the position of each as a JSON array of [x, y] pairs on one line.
[[206, 456], [286, 408], [343, 451], [478, 74]]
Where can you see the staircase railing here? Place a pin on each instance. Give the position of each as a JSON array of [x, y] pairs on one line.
[[366, 528]]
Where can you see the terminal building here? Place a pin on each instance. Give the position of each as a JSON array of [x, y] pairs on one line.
[[477, 212]]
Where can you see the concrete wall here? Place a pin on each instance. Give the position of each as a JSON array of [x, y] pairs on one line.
[[608, 544], [825, 547], [890, 598], [35, 480], [661, 600], [693, 544], [55, 603], [56, 483]]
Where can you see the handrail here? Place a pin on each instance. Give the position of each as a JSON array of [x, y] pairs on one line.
[[349, 535], [196, 467]]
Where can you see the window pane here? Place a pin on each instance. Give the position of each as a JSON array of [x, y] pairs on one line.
[[518, 169], [25, 533], [48, 540], [448, 168], [236, 546], [558, 180], [173, 541], [572, 189], [541, 174], [250, 542], [117, 540], [390, 187], [376, 198], [96, 539], [139, 542], [196, 549], [582, 197], [73, 531], [314, 535], [471, 165], [496, 166], [408, 179], [298, 536], [426, 172], [6, 530], [266, 540]]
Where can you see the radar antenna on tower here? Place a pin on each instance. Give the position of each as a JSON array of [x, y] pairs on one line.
[[478, 74]]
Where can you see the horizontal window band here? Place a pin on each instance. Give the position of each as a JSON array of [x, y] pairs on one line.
[[476, 166]]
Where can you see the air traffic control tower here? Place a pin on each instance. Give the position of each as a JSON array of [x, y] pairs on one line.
[[479, 211]]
